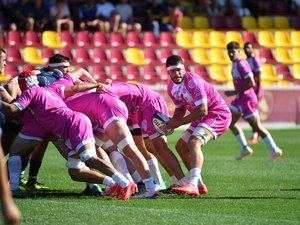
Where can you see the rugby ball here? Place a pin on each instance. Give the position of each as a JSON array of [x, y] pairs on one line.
[[158, 121]]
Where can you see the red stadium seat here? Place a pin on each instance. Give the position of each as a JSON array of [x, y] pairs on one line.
[[150, 56], [117, 56], [66, 52], [150, 40], [32, 38], [133, 40], [150, 76], [116, 72], [99, 56], [11, 70], [295, 22], [83, 56], [100, 39], [28, 67], [117, 40], [83, 39], [13, 55], [132, 73], [218, 22], [185, 55], [164, 54], [67, 39], [47, 53], [166, 39], [15, 38], [99, 72], [248, 36], [163, 75], [284, 72], [234, 23], [201, 70], [266, 56]]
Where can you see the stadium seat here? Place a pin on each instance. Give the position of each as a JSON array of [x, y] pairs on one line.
[[217, 39], [66, 52], [268, 75], [282, 55], [282, 39], [200, 39], [295, 22], [116, 72], [163, 75], [218, 23], [185, 55], [296, 54], [67, 39], [184, 39], [83, 39], [99, 56], [201, 70], [99, 72], [151, 56], [47, 53], [117, 56], [200, 56], [166, 39], [295, 38], [249, 23], [266, 56], [201, 23], [51, 39], [15, 38], [234, 36], [281, 22], [284, 72], [11, 70], [164, 54], [83, 56], [296, 71], [132, 73], [133, 39], [100, 39], [32, 55], [13, 55], [28, 67], [265, 22], [218, 74], [186, 23], [32, 38], [249, 36], [150, 40], [150, 76], [234, 23], [266, 39], [117, 40], [218, 56], [135, 56]]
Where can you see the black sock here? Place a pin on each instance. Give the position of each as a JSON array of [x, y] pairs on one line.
[[33, 171]]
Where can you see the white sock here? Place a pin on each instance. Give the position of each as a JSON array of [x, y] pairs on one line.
[[154, 170], [14, 168], [270, 142], [149, 184], [255, 135], [108, 181], [175, 180], [241, 139], [183, 181], [120, 179], [136, 176], [200, 181], [194, 176], [119, 163]]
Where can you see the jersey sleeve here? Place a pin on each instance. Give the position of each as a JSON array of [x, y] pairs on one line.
[[24, 100], [197, 89], [244, 69]]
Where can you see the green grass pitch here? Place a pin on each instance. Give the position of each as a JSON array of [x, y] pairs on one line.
[[251, 191]]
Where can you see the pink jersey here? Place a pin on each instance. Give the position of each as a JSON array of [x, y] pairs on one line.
[[47, 106], [255, 65], [194, 91]]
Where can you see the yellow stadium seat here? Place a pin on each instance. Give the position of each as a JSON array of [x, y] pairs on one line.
[[283, 56], [295, 38], [249, 23], [200, 56], [218, 56], [217, 39], [201, 22], [200, 39], [218, 73], [266, 39], [265, 22], [32, 55], [268, 75], [184, 39], [282, 39], [281, 22], [135, 56], [51, 39], [186, 23], [234, 36], [296, 54], [296, 71], [229, 76]]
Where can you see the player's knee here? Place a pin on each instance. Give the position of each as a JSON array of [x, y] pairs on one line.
[[124, 142], [87, 154], [201, 134], [107, 145]]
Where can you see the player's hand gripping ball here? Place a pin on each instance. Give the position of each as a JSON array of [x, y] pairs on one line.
[[159, 121]]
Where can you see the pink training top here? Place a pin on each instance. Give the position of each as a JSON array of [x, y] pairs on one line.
[[194, 91], [136, 97], [255, 66], [240, 72]]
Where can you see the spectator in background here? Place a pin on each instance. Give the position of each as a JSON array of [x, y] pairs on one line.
[[155, 13], [88, 16], [242, 11], [23, 20], [40, 15], [200, 7], [228, 8], [214, 8], [127, 21], [174, 19], [61, 17], [106, 12]]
